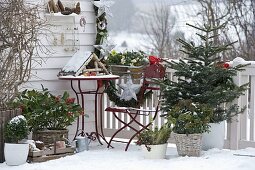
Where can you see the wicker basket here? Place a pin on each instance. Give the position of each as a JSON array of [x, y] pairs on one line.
[[189, 145], [50, 136], [119, 70]]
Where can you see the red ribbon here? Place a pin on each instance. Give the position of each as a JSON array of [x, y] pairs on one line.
[[154, 60]]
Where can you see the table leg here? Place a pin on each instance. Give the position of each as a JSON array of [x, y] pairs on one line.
[[83, 107], [96, 119], [78, 119]]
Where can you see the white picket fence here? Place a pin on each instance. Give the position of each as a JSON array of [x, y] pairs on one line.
[[239, 133]]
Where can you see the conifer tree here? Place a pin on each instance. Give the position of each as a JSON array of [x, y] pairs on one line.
[[203, 77]]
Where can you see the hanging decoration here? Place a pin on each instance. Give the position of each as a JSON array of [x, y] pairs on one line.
[[114, 96], [129, 90], [102, 9], [105, 48], [101, 25], [102, 46], [83, 22]]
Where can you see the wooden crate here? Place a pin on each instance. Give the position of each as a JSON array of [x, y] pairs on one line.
[[49, 154], [5, 116]]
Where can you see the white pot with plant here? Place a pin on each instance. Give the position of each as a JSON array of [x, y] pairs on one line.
[[16, 152], [154, 142]]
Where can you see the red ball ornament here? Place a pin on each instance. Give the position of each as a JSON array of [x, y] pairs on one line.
[[226, 65]]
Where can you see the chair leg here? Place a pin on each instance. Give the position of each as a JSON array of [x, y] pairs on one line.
[[130, 140], [119, 130]]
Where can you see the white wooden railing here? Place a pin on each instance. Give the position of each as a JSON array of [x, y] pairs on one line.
[[239, 133]]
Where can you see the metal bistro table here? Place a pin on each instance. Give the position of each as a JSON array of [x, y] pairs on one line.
[[76, 81]]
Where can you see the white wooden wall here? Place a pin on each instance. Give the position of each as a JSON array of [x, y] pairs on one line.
[[46, 68]]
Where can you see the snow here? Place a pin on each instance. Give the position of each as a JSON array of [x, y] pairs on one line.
[[17, 119], [101, 158]]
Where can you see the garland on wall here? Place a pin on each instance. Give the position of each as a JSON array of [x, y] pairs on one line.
[[100, 8]]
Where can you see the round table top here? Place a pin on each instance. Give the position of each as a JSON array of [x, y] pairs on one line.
[[100, 77]]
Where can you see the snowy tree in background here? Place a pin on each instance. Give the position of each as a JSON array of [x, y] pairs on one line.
[[158, 26]]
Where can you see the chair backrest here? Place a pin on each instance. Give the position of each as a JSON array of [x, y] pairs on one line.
[[154, 71]]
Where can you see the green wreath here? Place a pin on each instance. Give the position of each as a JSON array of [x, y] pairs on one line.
[[112, 93]]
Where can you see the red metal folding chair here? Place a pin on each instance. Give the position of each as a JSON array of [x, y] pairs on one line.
[[154, 71]]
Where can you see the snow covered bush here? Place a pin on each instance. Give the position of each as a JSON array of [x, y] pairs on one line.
[[190, 118], [16, 129]]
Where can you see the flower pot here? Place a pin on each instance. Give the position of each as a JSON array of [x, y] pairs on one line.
[[156, 152], [15, 154], [188, 145], [136, 72], [50, 136], [215, 138]]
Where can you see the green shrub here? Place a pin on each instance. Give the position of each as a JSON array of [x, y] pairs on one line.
[[154, 137], [16, 129], [43, 110], [190, 118]]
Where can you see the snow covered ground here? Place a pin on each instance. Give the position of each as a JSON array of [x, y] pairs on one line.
[[101, 158]]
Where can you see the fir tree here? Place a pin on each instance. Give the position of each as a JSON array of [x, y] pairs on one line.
[[203, 78]]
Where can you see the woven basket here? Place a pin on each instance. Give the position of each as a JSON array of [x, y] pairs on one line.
[[50, 136], [119, 70], [189, 145]]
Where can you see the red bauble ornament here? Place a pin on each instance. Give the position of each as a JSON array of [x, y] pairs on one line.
[[226, 65]]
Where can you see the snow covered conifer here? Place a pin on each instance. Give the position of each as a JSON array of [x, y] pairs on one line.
[[203, 77]]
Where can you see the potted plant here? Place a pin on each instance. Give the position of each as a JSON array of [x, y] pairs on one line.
[[121, 63], [154, 142], [204, 78], [48, 115], [189, 121], [16, 152]]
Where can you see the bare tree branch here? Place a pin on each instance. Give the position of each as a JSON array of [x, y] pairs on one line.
[[20, 28]]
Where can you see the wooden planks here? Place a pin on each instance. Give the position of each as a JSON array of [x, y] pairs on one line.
[[50, 154]]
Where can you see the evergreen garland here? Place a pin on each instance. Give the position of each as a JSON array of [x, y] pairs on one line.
[[113, 95], [101, 33]]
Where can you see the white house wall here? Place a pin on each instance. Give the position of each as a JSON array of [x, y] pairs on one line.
[[46, 68]]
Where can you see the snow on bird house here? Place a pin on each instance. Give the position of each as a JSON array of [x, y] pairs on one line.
[[83, 62]]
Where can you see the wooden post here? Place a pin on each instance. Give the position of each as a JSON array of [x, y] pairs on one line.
[[235, 133]]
